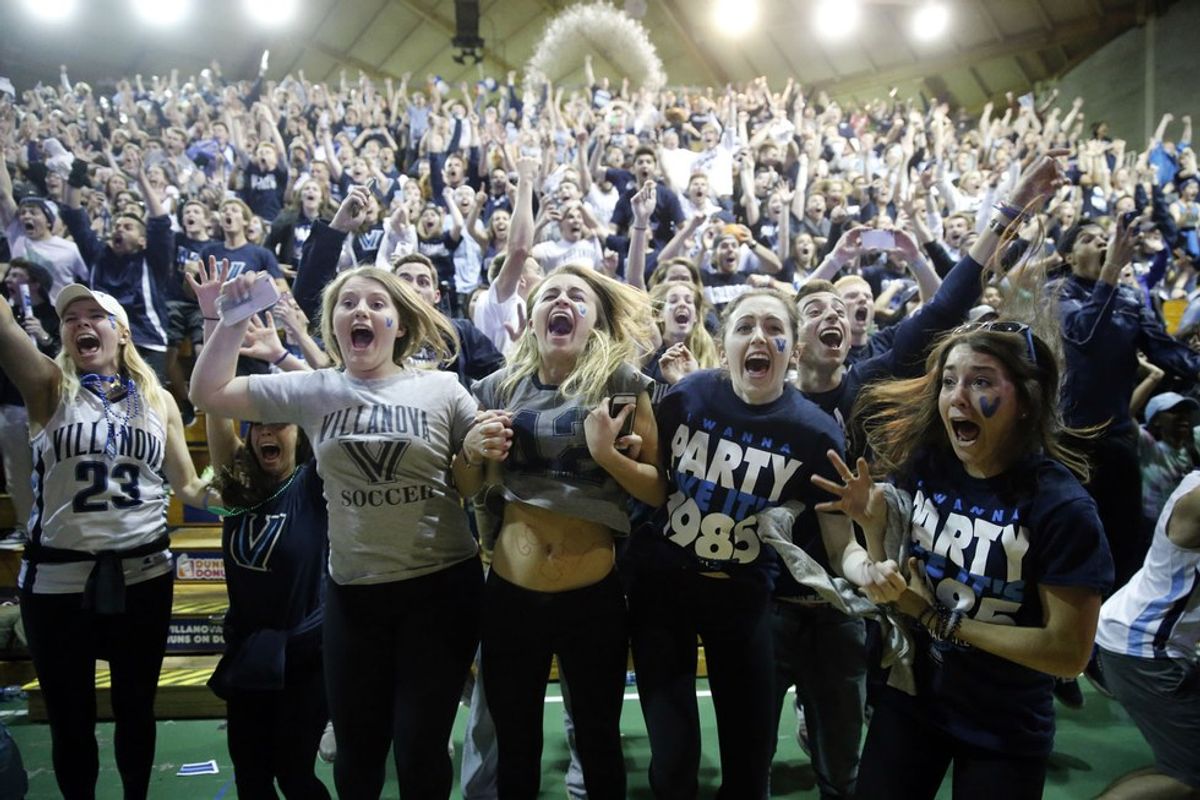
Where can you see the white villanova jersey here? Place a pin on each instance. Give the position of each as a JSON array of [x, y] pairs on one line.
[[87, 499], [1157, 614]]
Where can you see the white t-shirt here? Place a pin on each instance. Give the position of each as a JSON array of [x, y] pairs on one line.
[[553, 254], [491, 316], [384, 449], [56, 254]]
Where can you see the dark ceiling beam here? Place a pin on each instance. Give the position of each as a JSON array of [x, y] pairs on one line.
[[939, 90], [1028, 76], [979, 81], [1091, 31], [716, 74]]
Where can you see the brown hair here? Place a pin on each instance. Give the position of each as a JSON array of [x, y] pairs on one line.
[[901, 417], [423, 325]]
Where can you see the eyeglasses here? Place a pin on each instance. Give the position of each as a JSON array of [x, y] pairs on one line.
[[1004, 327]]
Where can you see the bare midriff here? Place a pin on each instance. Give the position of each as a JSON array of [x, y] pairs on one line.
[[544, 551]]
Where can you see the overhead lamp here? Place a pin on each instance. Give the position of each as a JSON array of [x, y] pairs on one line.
[[735, 17], [271, 13], [56, 11], [836, 19], [161, 13], [929, 21]]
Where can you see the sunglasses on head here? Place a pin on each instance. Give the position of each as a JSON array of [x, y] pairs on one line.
[[1001, 326]]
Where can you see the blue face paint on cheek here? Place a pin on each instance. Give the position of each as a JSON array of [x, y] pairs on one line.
[[112, 320], [388, 322], [582, 309], [780, 343], [989, 406]]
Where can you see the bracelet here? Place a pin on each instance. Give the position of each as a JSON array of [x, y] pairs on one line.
[[999, 226], [639, 227], [927, 616], [281, 359], [212, 319]]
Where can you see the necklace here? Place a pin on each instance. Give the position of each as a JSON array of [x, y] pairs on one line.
[[101, 385], [222, 511]]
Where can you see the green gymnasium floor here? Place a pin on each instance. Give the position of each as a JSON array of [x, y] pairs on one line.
[[1094, 746]]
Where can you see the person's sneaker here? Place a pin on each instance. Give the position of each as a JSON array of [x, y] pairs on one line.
[[327, 750], [1068, 692], [14, 539], [1095, 676]]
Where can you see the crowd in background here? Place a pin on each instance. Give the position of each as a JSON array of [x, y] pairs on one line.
[[691, 197]]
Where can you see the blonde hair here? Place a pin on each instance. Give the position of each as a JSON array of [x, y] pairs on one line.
[[621, 334], [423, 325], [129, 362], [698, 341]]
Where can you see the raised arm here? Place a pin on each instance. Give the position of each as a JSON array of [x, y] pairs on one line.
[[520, 234], [642, 204], [8, 206], [216, 388], [35, 375]]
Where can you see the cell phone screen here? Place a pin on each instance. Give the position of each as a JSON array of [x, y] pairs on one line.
[[878, 240]]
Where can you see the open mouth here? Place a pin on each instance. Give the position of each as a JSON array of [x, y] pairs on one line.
[[965, 432], [682, 317], [860, 314], [361, 337], [831, 337], [561, 323], [29, 227], [758, 365], [87, 344], [270, 452]]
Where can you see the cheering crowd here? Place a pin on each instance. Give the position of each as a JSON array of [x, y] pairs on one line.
[[875, 401]]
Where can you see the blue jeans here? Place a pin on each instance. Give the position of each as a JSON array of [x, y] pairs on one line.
[[822, 652]]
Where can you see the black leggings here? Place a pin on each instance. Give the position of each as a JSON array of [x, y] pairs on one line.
[[731, 615], [585, 628], [65, 642], [396, 657], [906, 758], [273, 736]]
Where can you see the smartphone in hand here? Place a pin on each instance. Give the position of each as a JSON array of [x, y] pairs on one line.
[[618, 402], [264, 295], [878, 240]]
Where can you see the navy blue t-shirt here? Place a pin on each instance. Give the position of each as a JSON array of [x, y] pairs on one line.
[[264, 190], [987, 545], [246, 257], [186, 249], [275, 558], [725, 460]]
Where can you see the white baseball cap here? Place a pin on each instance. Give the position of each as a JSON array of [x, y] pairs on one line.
[[77, 291]]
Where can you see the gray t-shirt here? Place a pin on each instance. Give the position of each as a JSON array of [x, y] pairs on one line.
[[550, 465], [383, 449]]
